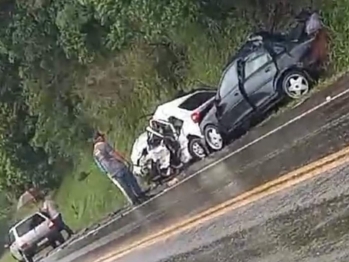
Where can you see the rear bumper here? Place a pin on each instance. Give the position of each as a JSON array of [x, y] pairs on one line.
[[40, 244]]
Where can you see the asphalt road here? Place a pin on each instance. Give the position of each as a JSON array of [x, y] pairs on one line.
[[309, 222], [293, 139]]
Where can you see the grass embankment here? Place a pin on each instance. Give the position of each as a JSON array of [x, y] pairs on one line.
[[84, 200]]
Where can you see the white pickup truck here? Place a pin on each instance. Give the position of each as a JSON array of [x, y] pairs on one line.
[[31, 235]]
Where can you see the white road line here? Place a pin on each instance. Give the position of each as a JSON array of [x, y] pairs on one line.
[[223, 158]]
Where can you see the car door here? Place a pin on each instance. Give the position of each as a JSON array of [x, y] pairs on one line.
[[230, 101], [38, 229], [43, 227], [259, 74]]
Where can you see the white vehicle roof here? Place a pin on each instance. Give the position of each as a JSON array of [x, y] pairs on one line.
[[164, 111]]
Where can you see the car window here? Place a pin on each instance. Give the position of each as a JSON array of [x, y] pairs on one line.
[[11, 238], [196, 100], [29, 224], [229, 80], [256, 61]]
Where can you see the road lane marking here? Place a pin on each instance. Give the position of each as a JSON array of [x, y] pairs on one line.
[[219, 161], [284, 182]]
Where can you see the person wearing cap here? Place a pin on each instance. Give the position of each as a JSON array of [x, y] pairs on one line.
[[113, 163]]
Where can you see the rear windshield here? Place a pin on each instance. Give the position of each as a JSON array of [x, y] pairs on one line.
[[29, 224], [196, 100]]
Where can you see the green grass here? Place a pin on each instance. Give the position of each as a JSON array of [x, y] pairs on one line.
[[7, 258], [87, 195]]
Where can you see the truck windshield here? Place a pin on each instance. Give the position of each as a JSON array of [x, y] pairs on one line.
[[29, 224]]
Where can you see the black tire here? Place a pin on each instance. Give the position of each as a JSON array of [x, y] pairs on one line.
[[295, 84], [53, 244], [197, 148], [60, 238], [27, 258], [219, 143]]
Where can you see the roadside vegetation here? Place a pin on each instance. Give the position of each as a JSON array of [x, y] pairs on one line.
[[69, 67]]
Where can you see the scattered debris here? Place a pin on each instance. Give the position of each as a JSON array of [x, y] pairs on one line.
[[172, 182]]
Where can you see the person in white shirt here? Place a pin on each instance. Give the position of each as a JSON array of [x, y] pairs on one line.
[[51, 209]]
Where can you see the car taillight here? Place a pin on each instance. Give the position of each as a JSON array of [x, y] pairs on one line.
[[24, 246], [51, 225], [196, 117]]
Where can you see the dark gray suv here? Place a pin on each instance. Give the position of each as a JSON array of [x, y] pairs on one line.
[[267, 68]]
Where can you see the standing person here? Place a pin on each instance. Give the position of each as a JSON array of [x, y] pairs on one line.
[[116, 166], [50, 208]]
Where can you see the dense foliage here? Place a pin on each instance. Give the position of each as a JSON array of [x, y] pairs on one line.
[[69, 66]]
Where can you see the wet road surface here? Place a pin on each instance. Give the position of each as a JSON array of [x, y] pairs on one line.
[[276, 147], [309, 222]]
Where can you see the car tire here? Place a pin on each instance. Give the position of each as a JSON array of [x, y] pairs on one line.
[[53, 244], [27, 258], [197, 148], [214, 138], [60, 238], [295, 84]]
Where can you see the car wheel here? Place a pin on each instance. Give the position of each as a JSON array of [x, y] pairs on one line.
[[53, 244], [213, 137], [197, 149], [60, 238], [295, 84], [27, 258]]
